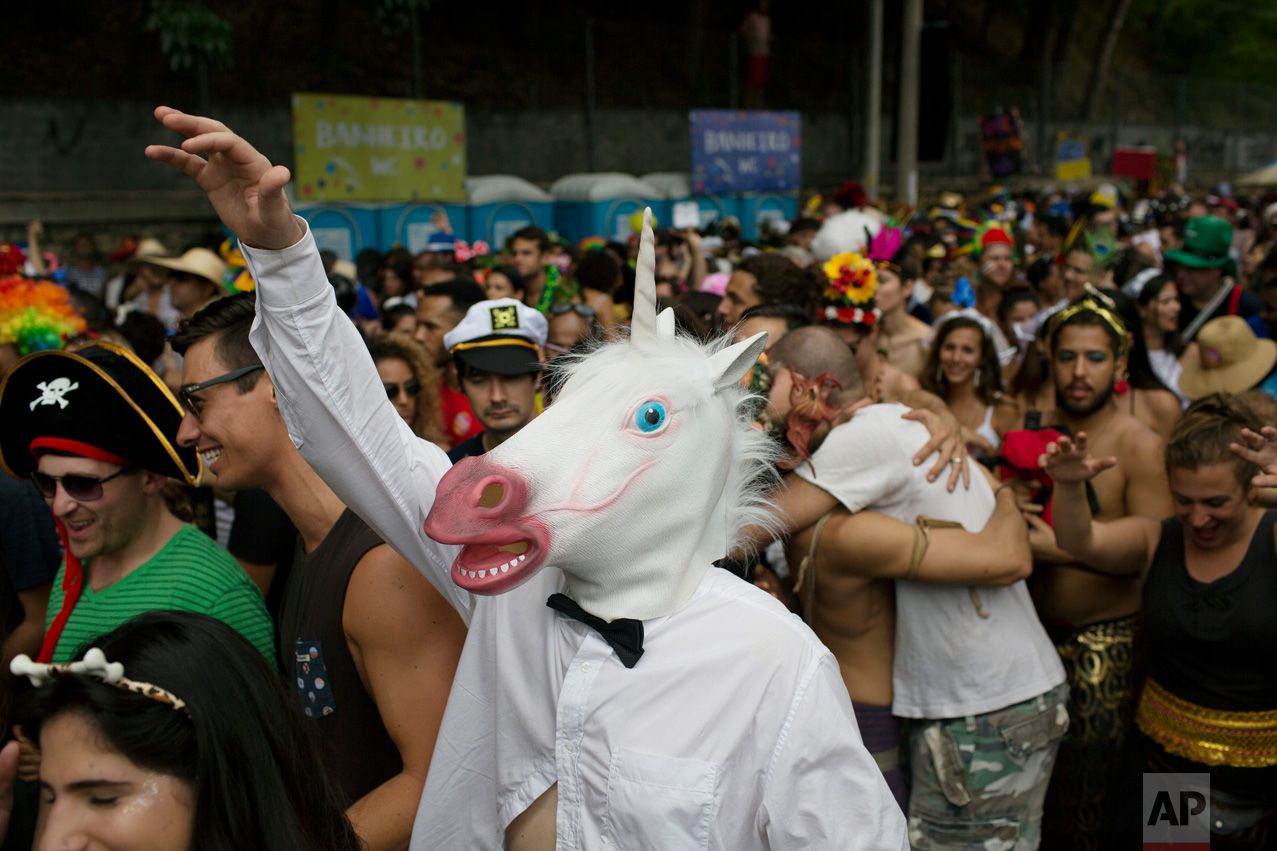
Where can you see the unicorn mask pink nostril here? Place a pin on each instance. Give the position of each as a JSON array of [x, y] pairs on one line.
[[481, 506]]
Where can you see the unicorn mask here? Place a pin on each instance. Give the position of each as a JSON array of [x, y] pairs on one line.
[[633, 483]]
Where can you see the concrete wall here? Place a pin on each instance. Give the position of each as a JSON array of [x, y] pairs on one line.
[[80, 163]]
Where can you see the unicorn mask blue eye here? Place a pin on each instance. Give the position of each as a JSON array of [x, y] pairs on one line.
[[648, 446]]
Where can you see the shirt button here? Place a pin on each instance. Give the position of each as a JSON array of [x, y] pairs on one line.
[[522, 795], [586, 667], [570, 748]]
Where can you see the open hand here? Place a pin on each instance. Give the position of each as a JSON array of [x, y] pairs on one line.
[[245, 189], [1260, 450], [946, 443], [1067, 461]]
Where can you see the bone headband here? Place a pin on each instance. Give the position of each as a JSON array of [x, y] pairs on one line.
[[94, 665]]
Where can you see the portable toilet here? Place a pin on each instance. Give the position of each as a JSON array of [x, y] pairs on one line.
[[344, 229], [601, 204], [499, 205], [412, 225], [759, 207], [677, 188]]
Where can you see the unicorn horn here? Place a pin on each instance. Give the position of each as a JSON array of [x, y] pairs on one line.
[[643, 323]]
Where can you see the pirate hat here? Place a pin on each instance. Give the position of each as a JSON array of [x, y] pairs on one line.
[[101, 402]]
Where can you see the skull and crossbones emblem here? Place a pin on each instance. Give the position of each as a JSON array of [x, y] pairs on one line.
[[54, 392]]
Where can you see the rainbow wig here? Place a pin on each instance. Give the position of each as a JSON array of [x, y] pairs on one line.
[[36, 315]]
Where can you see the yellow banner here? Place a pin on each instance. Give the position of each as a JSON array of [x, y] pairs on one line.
[[378, 149]]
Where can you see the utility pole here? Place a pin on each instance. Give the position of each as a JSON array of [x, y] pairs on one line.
[[873, 107], [907, 126]]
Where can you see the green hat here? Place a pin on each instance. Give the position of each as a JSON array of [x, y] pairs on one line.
[[1206, 243]]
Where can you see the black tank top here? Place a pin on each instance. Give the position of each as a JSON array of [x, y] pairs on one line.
[[356, 749], [1214, 644]]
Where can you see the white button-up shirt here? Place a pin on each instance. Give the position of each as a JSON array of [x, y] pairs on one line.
[[733, 731]]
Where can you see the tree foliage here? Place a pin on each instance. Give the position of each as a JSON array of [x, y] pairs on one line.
[[1226, 39], [396, 16], [190, 35]]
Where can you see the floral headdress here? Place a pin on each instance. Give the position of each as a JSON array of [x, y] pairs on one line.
[[36, 315], [851, 281]]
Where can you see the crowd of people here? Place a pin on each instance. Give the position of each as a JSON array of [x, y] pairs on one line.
[[1026, 453]]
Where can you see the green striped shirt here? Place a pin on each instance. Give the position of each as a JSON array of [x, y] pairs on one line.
[[190, 574]]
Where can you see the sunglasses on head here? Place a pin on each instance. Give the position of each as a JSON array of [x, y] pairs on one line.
[[80, 488], [187, 391], [411, 387], [582, 310]]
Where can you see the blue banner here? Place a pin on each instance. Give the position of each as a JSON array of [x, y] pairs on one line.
[[739, 151]]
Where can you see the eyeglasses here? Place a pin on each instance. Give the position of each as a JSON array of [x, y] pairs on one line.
[[187, 391], [79, 488], [411, 387], [582, 310]]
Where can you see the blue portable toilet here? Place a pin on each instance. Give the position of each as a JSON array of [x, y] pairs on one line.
[[759, 207], [601, 205], [499, 205], [344, 229], [412, 225], [677, 187]]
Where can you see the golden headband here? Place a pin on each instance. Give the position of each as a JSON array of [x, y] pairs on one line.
[[1097, 303]]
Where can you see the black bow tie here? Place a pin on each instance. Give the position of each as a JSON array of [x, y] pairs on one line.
[[624, 634]]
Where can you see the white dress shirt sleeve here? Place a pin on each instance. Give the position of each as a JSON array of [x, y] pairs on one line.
[[824, 791], [338, 414]]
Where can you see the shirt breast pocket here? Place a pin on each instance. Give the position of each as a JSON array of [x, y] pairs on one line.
[[660, 803]]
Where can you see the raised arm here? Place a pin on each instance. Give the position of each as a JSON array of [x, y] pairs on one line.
[[872, 544], [1261, 450], [328, 389], [1121, 547]]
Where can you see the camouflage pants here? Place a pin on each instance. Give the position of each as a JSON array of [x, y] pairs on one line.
[[979, 782]]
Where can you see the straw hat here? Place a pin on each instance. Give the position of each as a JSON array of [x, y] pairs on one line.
[[1231, 359], [199, 262]]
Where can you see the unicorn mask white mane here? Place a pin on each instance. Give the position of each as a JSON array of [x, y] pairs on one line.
[[642, 474]]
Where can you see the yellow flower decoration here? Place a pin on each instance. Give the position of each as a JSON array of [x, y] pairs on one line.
[[852, 278]]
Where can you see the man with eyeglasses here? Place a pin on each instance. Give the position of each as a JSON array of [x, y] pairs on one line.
[[497, 351], [95, 430], [364, 640]]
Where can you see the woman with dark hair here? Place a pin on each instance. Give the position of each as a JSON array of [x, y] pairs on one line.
[[1159, 307], [399, 319], [1209, 705], [504, 282], [1150, 400], [411, 382], [963, 370], [395, 280], [193, 745]]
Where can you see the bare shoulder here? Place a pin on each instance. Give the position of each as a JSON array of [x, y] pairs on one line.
[[1007, 415], [898, 381], [387, 596], [1137, 446], [921, 330]]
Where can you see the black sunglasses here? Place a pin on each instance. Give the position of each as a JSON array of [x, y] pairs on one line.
[[582, 310], [79, 488], [186, 391], [411, 387]]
